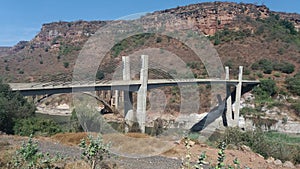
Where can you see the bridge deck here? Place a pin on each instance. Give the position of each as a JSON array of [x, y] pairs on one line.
[[132, 85]]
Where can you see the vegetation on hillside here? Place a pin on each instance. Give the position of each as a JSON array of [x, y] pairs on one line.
[[293, 84], [13, 106], [268, 144], [17, 115]]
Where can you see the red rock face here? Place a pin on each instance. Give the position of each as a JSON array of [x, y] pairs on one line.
[[208, 17], [58, 42]]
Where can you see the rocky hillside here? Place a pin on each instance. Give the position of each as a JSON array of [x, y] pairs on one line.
[[266, 43], [4, 50], [54, 49]]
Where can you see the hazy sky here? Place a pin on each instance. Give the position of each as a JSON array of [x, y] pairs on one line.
[[22, 19]]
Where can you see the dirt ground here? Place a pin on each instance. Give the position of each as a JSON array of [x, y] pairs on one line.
[[67, 145]]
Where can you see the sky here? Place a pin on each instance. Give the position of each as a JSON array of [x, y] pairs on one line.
[[23, 19]]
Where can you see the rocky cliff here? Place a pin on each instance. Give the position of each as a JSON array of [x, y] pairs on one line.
[[56, 46]]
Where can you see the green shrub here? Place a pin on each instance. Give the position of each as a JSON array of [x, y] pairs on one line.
[[28, 156], [36, 126], [100, 75], [94, 152], [293, 84], [227, 35], [66, 64], [266, 88], [264, 64], [217, 41], [201, 163], [277, 74], [284, 67], [117, 49], [250, 111], [267, 66], [158, 39], [7, 68], [267, 144], [280, 51], [289, 25], [21, 72], [194, 65], [296, 107]]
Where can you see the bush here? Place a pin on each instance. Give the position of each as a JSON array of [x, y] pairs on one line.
[[293, 84], [289, 25], [21, 72], [296, 107], [264, 64], [265, 143], [6, 67], [267, 66], [284, 67], [36, 126], [66, 64], [95, 151], [266, 89], [28, 156], [100, 75]]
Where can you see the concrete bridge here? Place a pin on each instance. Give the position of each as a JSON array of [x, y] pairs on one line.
[[31, 89], [140, 86]]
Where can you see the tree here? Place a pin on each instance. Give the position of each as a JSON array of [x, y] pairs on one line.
[[12, 106]]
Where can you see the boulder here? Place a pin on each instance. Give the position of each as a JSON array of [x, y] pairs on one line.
[[270, 160], [277, 162], [245, 148], [288, 164]]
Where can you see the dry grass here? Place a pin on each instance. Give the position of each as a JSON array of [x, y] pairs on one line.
[[71, 139], [80, 164]]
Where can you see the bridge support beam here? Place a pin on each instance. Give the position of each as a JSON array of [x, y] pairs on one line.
[[142, 94], [238, 97]]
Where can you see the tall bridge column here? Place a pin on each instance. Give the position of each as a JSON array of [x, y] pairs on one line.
[[127, 95], [229, 114], [142, 94], [238, 97], [116, 99]]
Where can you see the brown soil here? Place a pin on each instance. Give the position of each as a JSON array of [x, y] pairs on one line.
[[68, 142]]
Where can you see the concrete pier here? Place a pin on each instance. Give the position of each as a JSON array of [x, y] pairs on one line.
[[127, 95], [142, 94], [238, 97], [229, 114]]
